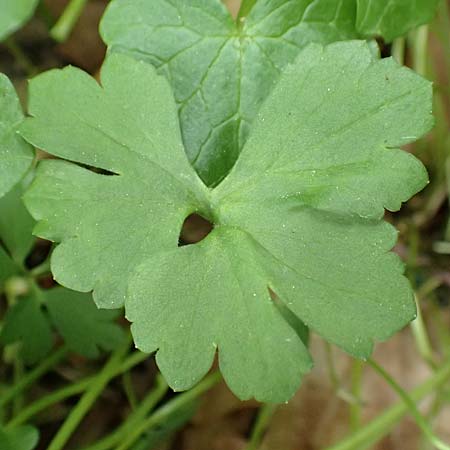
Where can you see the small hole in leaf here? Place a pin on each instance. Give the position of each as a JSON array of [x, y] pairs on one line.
[[195, 228]]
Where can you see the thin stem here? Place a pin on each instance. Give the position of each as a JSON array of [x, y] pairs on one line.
[[263, 419], [331, 367], [147, 405], [421, 337], [355, 407], [398, 50], [42, 269], [65, 24], [415, 413], [18, 375], [21, 57], [379, 427], [127, 383], [170, 408], [420, 48], [28, 379], [69, 391], [89, 397], [244, 11]]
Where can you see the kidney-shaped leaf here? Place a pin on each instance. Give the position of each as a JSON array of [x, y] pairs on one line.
[[300, 214]]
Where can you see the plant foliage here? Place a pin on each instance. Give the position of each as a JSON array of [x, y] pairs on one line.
[[14, 13], [221, 70], [300, 213]]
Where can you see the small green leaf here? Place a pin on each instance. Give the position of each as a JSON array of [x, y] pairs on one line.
[[300, 213], [393, 18], [85, 328], [8, 267], [19, 438], [220, 71], [16, 225], [16, 156], [14, 14], [25, 322]]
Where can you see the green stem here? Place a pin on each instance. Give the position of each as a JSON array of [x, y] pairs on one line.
[[42, 269], [89, 397], [421, 337], [420, 49], [265, 415], [379, 427], [331, 367], [170, 408], [398, 50], [409, 402], [244, 11], [355, 407], [21, 57], [28, 379], [127, 383], [18, 375], [148, 404], [69, 391], [64, 26]]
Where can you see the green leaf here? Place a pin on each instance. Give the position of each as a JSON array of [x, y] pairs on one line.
[[8, 267], [14, 14], [108, 128], [20, 438], [220, 71], [393, 18], [25, 322], [301, 213], [16, 225], [85, 328], [16, 156]]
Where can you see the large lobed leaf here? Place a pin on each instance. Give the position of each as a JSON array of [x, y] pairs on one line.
[[16, 156], [222, 71], [300, 213]]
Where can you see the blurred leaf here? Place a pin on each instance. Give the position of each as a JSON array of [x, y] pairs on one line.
[[16, 156], [16, 225], [20, 438], [171, 424], [84, 327], [25, 322], [8, 267], [14, 13], [393, 18]]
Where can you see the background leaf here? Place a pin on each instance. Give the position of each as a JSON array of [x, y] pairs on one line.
[[393, 18], [14, 14], [19, 438], [25, 322], [220, 71], [16, 156], [16, 225], [84, 327]]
